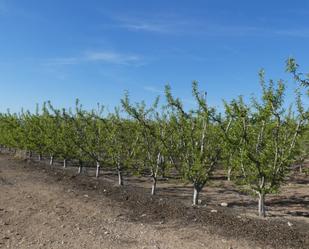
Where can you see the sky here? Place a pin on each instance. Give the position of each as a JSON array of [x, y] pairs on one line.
[[95, 50]]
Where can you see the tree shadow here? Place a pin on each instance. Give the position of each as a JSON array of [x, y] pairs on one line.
[[299, 201]]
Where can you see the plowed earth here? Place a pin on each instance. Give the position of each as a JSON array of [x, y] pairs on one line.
[[44, 207]]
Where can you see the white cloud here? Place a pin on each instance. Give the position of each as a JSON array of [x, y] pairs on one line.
[[188, 27], [109, 57], [112, 57], [293, 33], [160, 24], [179, 25], [148, 27], [152, 89]]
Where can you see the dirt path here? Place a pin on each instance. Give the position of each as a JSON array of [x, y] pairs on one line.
[[39, 210]]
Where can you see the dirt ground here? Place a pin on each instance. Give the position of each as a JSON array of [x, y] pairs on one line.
[[53, 208]]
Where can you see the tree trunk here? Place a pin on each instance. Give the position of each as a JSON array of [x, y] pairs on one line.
[[80, 168], [301, 168], [30, 154], [40, 157], [154, 174], [229, 171], [261, 207], [120, 178], [51, 162], [196, 194], [64, 163], [154, 185], [97, 173]]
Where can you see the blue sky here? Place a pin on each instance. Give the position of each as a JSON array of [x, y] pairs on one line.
[[60, 50]]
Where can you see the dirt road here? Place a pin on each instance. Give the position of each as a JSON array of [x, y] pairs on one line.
[[42, 209]]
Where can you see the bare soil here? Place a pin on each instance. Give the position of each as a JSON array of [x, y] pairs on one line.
[[43, 207]]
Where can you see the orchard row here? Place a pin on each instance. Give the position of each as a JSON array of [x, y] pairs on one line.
[[257, 142]]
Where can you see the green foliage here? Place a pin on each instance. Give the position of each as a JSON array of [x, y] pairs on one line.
[[292, 67], [260, 140], [265, 135], [34, 132], [302, 148], [151, 128], [11, 131], [122, 140], [196, 138]]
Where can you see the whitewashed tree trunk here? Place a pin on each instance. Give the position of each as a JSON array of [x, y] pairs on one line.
[[97, 173], [40, 157], [196, 194], [51, 162], [154, 174], [229, 171], [301, 168], [64, 163], [120, 178], [154, 185], [80, 168], [261, 206]]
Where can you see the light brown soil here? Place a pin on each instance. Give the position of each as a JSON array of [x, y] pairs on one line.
[[42, 208]]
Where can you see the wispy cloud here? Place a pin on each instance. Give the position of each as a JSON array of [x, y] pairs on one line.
[[160, 24], [147, 26], [179, 25], [153, 89], [189, 27], [297, 11], [214, 30], [109, 57], [112, 57], [304, 33]]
